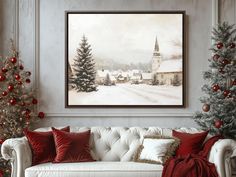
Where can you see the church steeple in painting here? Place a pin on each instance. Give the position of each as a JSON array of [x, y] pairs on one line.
[[156, 45], [156, 58]]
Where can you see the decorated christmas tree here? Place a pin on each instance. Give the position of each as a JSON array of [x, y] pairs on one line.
[[219, 103], [17, 102], [84, 68]]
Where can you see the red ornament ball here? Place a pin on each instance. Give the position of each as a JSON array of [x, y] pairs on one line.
[[17, 76], [216, 57], [27, 116], [225, 62], [4, 93], [219, 45], [13, 60], [41, 115], [1, 173], [1, 141], [4, 70], [10, 87], [233, 82], [34, 101], [27, 81], [27, 111], [232, 45], [206, 107], [21, 67], [2, 77], [227, 93], [12, 101], [218, 123], [215, 87]]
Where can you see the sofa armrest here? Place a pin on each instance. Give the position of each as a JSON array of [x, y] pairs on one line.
[[18, 151], [221, 154]]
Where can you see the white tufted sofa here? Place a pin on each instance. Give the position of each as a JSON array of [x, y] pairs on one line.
[[113, 148]]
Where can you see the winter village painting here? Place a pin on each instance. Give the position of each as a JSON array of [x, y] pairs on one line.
[[125, 59]]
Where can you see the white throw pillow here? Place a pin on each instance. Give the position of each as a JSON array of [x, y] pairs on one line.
[[156, 149]]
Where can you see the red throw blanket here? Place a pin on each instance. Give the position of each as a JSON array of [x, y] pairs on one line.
[[192, 165]]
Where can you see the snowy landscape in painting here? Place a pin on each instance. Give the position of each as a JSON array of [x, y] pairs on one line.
[[127, 94], [125, 59]]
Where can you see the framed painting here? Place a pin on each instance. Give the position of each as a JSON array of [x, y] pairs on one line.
[[125, 59]]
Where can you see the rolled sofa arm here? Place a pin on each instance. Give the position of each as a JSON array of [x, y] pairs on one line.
[[221, 154], [18, 151]]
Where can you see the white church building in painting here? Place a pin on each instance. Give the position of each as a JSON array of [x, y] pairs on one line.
[[168, 71]]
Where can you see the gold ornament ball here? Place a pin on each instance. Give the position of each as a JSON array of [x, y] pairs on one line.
[[19, 130], [206, 107], [233, 62]]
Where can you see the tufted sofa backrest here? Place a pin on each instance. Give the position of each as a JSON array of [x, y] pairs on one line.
[[119, 143]]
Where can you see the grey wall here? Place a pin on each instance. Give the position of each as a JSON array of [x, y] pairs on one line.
[[48, 68], [227, 11], [6, 25]]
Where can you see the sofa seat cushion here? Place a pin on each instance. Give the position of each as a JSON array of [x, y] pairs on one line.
[[95, 169]]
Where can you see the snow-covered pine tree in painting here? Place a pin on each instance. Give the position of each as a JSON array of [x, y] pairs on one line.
[[84, 68], [107, 81]]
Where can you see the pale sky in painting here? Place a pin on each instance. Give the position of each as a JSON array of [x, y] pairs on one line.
[[125, 38]]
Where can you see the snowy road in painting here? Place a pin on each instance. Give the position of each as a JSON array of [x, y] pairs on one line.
[[127, 94]]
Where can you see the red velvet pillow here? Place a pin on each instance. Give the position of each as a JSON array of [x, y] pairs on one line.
[[42, 145], [189, 143], [72, 147]]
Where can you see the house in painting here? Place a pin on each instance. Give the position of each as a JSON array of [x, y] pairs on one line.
[[146, 78], [103, 75], [123, 77], [166, 72]]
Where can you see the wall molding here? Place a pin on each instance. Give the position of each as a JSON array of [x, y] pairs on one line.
[[16, 25], [215, 12], [117, 115], [36, 43], [88, 113]]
